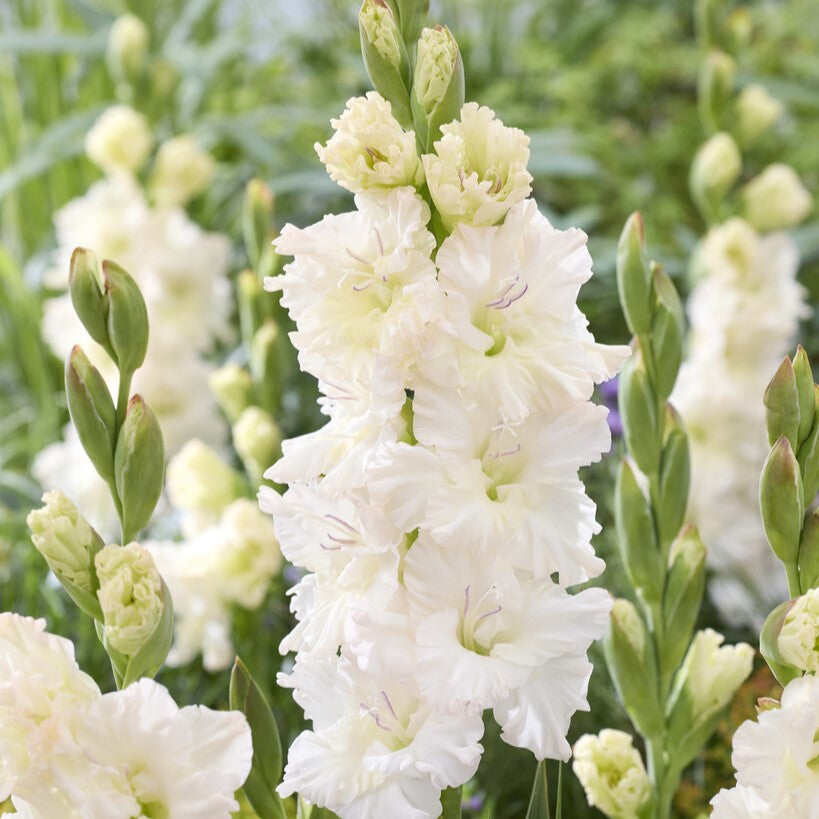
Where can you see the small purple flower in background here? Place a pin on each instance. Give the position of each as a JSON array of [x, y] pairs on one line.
[[608, 392]]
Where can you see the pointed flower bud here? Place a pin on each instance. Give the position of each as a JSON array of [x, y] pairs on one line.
[[370, 149], [199, 480], [781, 400], [127, 318], [776, 199], [130, 594], [92, 411], [385, 56], [438, 85], [127, 47], [771, 649], [675, 477], [715, 86], [232, 386], [478, 170], [257, 439], [257, 219], [805, 391], [270, 363], [633, 280], [139, 465], [667, 331], [715, 169], [68, 543], [638, 411], [799, 635], [780, 499], [612, 773], [181, 171], [88, 297], [808, 456], [757, 111], [120, 140]]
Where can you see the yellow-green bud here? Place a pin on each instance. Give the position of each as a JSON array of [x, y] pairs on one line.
[[781, 502], [776, 199], [232, 386], [638, 410], [612, 773], [130, 594], [68, 543], [139, 465], [805, 392], [715, 169], [270, 362], [127, 47], [808, 455], [799, 635], [181, 171], [257, 439], [809, 552], [127, 318], [771, 649], [257, 220], [667, 330], [120, 140], [199, 480], [757, 111], [633, 279], [715, 86]]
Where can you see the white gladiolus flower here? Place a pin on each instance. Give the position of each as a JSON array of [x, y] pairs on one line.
[[182, 170], [369, 149], [120, 140], [799, 636], [744, 313], [478, 170], [776, 199], [612, 773], [777, 760]]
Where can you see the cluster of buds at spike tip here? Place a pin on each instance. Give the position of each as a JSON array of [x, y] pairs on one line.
[[790, 476]]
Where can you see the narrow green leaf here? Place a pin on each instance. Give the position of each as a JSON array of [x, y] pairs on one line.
[[539, 801]]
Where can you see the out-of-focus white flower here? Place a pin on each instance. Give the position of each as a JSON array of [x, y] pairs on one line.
[[127, 46], [389, 751], [181, 170], [744, 313], [120, 140], [612, 773], [130, 595], [478, 170], [799, 636], [757, 110], [370, 149], [776, 760], [776, 199]]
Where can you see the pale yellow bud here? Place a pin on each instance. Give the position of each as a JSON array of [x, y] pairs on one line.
[[757, 111], [716, 168], [776, 199], [257, 438], [799, 636], [181, 171], [120, 140], [127, 47], [198, 479]]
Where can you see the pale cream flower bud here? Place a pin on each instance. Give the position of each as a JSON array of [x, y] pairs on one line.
[[380, 29], [478, 170], [799, 636], [370, 149], [120, 140], [712, 672], [628, 620], [130, 595], [257, 439], [776, 199], [757, 111], [715, 169], [437, 55], [232, 386], [612, 773], [181, 171], [65, 539], [198, 479], [127, 47]]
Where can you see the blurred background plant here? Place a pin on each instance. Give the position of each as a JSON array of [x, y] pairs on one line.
[[607, 90]]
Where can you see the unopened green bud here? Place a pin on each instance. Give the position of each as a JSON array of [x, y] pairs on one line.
[[782, 405], [769, 645], [257, 220], [683, 595], [715, 87], [809, 552], [633, 280], [629, 657], [232, 386], [199, 480], [780, 499], [667, 331], [127, 318], [249, 295], [139, 465], [675, 476], [799, 635], [257, 439], [92, 411], [808, 456], [638, 411], [757, 111], [68, 543], [636, 536], [127, 47], [438, 85], [88, 297], [715, 169], [385, 57], [804, 389], [270, 363], [776, 199]]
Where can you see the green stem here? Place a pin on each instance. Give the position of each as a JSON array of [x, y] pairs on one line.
[[794, 584], [451, 803], [123, 394]]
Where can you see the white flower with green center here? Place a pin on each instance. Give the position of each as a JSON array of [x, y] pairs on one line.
[[478, 170], [612, 773], [777, 760], [389, 751], [481, 478], [120, 140], [798, 638], [369, 149], [130, 594], [493, 637], [512, 300]]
